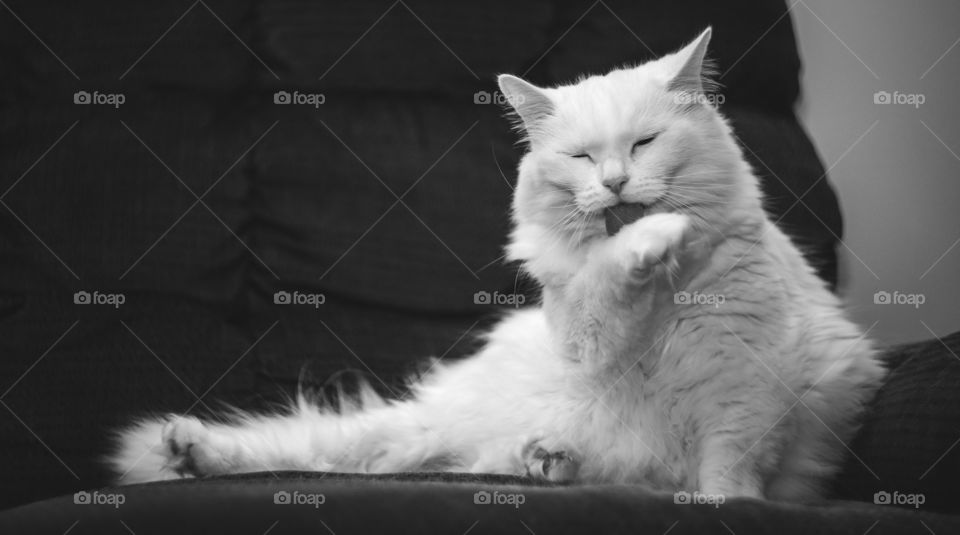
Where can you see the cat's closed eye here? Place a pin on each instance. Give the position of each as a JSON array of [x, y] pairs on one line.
[[644, 141], [582, 155]]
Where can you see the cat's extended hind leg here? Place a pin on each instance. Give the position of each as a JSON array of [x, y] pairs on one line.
[[193, 448], [384, 439], [456, 421]]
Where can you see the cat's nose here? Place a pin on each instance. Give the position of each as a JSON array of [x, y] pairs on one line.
[[615, 183]]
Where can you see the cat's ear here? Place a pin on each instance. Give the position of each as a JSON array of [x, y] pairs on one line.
[[691, 67], [531, 103]]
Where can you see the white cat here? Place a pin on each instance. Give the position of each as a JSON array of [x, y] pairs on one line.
[[683, 341]]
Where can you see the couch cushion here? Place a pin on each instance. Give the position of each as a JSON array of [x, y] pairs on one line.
[[430, 503], [908, 443]]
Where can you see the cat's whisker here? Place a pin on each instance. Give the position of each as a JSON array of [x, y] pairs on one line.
[[699, 220]]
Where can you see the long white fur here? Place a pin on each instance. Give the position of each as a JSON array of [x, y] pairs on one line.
[[755, 396]]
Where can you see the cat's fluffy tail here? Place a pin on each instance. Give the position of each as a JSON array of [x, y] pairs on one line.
[[141, 455]]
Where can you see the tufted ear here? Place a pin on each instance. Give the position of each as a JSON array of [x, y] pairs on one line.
[[690, 65], [531, 103]]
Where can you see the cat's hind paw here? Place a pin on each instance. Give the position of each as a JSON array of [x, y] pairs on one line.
[[558, 465], [190, 448], [140, 454]]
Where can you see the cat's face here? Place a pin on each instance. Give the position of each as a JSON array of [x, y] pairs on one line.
[[643, 135]]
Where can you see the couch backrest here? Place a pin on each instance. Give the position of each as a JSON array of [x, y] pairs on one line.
[[310, 200]]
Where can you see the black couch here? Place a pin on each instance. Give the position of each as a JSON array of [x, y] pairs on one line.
[[391, 199]]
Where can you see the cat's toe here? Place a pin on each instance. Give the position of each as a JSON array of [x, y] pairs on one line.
[[557, 466]]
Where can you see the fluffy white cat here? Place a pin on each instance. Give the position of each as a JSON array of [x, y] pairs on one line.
[[683, 341]]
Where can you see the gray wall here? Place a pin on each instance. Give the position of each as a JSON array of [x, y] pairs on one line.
[[895, 166]]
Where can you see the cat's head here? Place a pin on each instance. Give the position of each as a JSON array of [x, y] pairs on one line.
[[647, 134]]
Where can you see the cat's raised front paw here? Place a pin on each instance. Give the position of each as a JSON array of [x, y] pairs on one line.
[[652, 242]]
